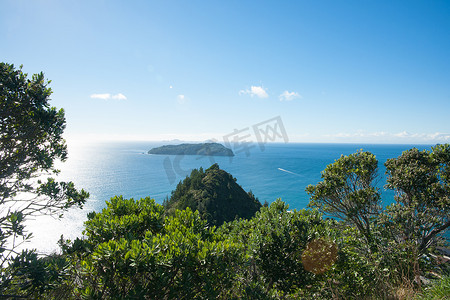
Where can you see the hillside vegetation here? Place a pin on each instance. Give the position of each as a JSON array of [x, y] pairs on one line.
[[138, 249], [215, 194]]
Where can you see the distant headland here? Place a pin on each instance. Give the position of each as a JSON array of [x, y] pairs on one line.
[[206, 149]]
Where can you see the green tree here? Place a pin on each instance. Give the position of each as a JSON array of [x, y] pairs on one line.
[[421, 180], [347, 191], [30, 142], [414, 223]]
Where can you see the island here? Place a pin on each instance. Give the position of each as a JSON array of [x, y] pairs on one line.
[[205, 149]]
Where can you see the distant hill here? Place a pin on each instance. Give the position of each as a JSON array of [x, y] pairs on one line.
[[208, 149], [215, 194]]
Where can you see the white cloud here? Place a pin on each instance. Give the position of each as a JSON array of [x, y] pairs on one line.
[[101, 96], [257, 91], [388, 137], [181, 99], [119, 96], [289, 96], [402, 134], [108, 96]]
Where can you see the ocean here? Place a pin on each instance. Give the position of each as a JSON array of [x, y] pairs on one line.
[[273, 171]]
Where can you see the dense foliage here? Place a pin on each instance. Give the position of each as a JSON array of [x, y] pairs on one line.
[[398, 242], [132, 251], [180, 257], [215, 194], [138, 249], [421, 210], [30, 142]]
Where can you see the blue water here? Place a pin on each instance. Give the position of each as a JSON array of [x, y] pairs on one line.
[[277, 171]]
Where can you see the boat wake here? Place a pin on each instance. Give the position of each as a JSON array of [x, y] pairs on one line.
[[283, 170]]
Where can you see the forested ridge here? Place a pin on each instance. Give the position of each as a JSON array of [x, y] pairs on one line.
[[215, 194]]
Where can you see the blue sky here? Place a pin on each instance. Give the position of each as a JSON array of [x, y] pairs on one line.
[[334, 71]]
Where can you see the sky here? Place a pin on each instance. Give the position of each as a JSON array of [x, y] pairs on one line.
[[326, 71]]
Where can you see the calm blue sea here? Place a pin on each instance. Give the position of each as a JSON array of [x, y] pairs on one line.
[[124, 168]]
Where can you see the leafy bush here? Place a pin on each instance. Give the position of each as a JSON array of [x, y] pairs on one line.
[[134, 253]]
